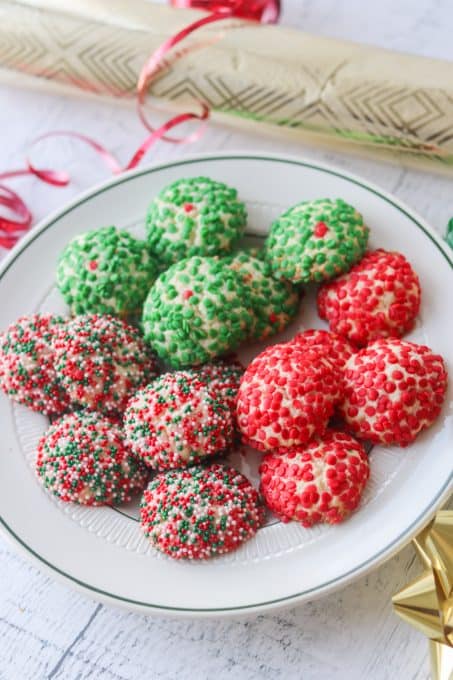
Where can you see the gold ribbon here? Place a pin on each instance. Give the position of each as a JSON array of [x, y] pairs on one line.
[[427, 602]]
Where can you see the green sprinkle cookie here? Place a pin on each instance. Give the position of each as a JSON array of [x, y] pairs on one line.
[[274, 302], [106, 271], [316, 241], [197, 310], [194, 217]]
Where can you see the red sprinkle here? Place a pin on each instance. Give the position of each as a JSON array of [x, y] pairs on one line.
[[320, 229]]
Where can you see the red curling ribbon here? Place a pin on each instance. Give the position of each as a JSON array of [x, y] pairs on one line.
[[20, 220], [265, 11]]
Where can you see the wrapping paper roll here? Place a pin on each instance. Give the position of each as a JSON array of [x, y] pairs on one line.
[[313, 88]]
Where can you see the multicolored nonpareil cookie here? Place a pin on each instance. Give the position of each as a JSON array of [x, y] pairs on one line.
[[101, 362], [82, 458], [27, 370], [286, 396], [200, 512], [195, 216], [177, 421], [320, 482], [316, 241], [196, 311], [335, 348], [274, 302], [378, 298], [393, 390], [222, 378], [106, 271]]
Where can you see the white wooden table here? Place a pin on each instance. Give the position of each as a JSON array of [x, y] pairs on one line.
[[50, 631]]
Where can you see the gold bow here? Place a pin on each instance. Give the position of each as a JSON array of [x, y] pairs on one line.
[[427, 602]]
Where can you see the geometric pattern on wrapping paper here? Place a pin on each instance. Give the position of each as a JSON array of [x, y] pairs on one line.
[[404, 112], [106, 59], [410, 115], [71, 50]]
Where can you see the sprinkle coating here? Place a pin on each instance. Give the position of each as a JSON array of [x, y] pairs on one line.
[[320, 482], [177, 421], [286, 396], [316, 240], [196, 216], [336, 348], [274, 302], [200, 512], [393, 390], [27, 373], [222, 378], [82, 458], [106, 271], [101, 361], [378, 298], [196, 311]]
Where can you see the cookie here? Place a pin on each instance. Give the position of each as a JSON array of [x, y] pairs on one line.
[[177, 421], [106, 271], [378, 298], [195, 216], [82, 458], [101, 362], [335, 348], [274, 302], [200, 512], [27, 371], [286, 396], [322, 481], [393, 390], [222, 378], [196, 311], [316, 241]]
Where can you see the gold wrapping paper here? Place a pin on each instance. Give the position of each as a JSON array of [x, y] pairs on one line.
[[311, 88], [427, 602]]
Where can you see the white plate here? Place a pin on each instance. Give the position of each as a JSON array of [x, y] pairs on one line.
[[101, 550]]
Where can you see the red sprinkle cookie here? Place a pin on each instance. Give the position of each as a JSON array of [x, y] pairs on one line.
[[82, 458], [200, 512], [378, 298], [393, 389], [101, 361], [176, 421], [336, 348], [286, 396], [320, 482], [27, 373]]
